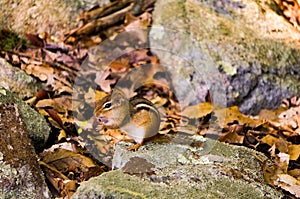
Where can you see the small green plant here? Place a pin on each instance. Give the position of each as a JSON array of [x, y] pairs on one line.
[[10, 40]]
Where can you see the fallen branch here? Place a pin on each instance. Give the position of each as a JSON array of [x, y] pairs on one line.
[[101, 18]]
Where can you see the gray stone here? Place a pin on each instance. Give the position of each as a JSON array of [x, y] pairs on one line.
[[38, 16], [17, 81], [243, 51], [20, 174], [184, 167], [36, 125]]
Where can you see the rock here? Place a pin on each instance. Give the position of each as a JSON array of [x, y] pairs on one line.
[[17, 81], [183, 167], [38, 16], [242, 50], [20, 174], [36, 125]]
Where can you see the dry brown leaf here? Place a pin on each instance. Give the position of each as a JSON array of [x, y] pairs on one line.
[[291, 10], [35, 40], [294, 151], [65, 102], [60, 88], [272, 115], [232, 137], [62, 135], [62, 159], [120, 65], [232, 114], [25, 60], [50, 56], [198, 110], [53, 114], [269, 139], [115, 135], [102, 81], [295, 173], [60, 104], [15, 59], [280, 143], [70, 187], [137, 26], [54, 176], [289, 184], [57, 179], [42, 71], [45, 103], [134, 58]]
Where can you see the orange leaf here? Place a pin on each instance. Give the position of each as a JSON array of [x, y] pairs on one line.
[[294, 151], [198, 110]]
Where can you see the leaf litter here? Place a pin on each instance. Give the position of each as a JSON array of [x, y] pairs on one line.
[[78, 150]]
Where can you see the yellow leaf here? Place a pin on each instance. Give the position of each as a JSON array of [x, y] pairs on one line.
[[268, 115], [99, 95], [294, 151], [269, 139], [62, 158], [231, 114], [198, 110], [62, 134]]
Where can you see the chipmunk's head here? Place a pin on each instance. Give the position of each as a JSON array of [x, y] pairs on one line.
[[112, 110]]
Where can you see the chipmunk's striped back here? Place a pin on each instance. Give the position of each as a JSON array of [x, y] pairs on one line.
[[138, 117]]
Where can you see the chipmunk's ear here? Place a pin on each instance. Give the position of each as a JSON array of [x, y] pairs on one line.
[[118, 98]]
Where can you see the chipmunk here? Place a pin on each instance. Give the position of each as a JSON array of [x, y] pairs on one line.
[[137, 117]]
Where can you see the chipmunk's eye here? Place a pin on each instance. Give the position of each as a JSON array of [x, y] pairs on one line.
[[107, 105]]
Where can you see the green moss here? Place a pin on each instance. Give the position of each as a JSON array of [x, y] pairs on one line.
[[10, 40], [227, 68], [225, 172], [194, 182], [35, 123]]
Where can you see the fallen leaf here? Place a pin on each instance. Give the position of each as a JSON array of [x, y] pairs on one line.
[[233, 136], [61, 159], [295, 173], [102, 81], [294, 151], [198, 110], [289, 184], [280, 143], [232, 114], [41, 71]]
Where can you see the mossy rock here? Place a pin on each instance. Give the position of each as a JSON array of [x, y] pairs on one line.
[[182, 168], [36, 124], [244, 51]]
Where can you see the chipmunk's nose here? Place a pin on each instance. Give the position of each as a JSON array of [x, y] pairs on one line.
[[102, 119]]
